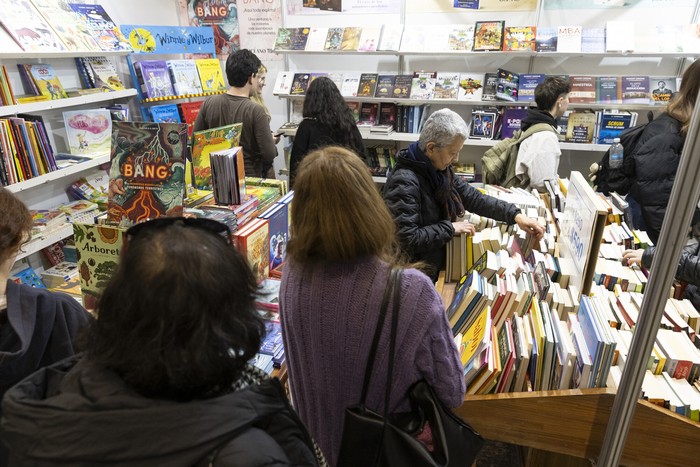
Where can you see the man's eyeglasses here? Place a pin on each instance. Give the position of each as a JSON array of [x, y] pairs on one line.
[[208, 225]]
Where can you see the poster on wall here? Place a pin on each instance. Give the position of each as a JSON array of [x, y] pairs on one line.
[[598, 4], [315, 7], [221, 15], [449, 6], [258, 24]]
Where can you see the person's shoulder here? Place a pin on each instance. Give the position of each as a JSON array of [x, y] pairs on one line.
[[45, 297]]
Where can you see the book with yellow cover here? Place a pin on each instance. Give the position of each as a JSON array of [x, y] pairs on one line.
[[206, 141], [253, 242], [45, 79], [210, 74]]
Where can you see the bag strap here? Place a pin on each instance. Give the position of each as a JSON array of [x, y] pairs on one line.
[[396, 280], [536, 128], [390, 282]]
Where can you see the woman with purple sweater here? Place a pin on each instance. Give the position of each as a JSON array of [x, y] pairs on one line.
[[342, 248]]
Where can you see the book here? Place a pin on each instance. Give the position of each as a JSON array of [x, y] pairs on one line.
[[283, 40], [461, 37], [608, 89], [167, 113], [483, 124], [103, 74], [635, 89], [210, 76], [188, 114], [184, 76], [369, 39], [593, 40], [519, 38], [147, 174], [385, 86], [278, 220], [316, 39], [369, 113], [662, 89], [423, 84], [88, 132], [581, 126], [546, 39], [154, 78], [446, 85], [351, 82], [253, 242], [334, 39], [228, 175], [367, 85], [612, 123], [61, 17], [46, 80], [402, 86], [583, 89], [300, 84], [471, 86], [28, 28], [391, 37], [387, 114], [207, 141], [569, 39], [512, 120], [488, 35], [283, 83], [527, 84], [490, 85], [299, 38], [101, 27], [351, 38], [507, 85]]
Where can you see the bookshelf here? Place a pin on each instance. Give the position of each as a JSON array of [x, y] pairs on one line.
[[58, 174], [67, 102]]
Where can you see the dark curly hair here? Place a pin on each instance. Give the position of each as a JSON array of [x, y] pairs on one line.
[[177, 320], [15, 224], [324, 102], [240, 66]]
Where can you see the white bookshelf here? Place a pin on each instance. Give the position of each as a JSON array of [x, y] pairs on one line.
[[39, 242], [67, 102], [67, 54], [58, 174]]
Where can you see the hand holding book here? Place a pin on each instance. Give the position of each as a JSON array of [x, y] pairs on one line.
[[463, 227], [529, 225]]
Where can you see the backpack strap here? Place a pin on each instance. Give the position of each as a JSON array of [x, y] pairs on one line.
[[536, 128]]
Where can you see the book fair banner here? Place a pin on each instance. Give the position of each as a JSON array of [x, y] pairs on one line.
[[168, 39], [258, 22]]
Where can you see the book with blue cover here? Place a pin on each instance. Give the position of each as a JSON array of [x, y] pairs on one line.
[[167, 113], [527, 84]]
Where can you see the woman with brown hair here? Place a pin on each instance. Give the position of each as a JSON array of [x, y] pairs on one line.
[[341, 251]]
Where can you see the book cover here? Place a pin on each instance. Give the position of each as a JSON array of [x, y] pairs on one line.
[[402, 86], [461, 37], [155, 78], [507, 85], [46, 80], [167, 113], [391, 37], [355, 109], [662, 89], [207, 141], [299, 38], [369, 39], [423, 84], [101, 27], [581, 127], [283, 41], [98, 248], [351, 82], [316, 39], [300, 84], [253, 242], [569, 39], [512, 120], [351, 38], [28, 28], [635, 89], [387, 114], [609, 89], [330, 5], [527, 84], [446, 85], [546, 40], [184, 76], [88, 132], [61, 17], [189, 112], [283, 83], [278, 220], [483, 123], [519, 38], [593, 40], [210, 76], [490, 85], [612, 124], [488, 35], [147, 174], [583, 89], [385, 86], [368, 113], [471, 86], [334, 38], [228, 176], [368, 85], [103, 73]]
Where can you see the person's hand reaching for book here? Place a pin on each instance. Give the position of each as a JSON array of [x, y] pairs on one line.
[[464, 227], [631, 257], [530, 225]]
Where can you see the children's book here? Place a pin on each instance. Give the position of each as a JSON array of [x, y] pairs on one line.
[[88, 132], [385, 86], [299, 84], [402, 86], [46, 81], [635, 89], [210, 75], [369, 39], [471, 86], [283, 83], [167, 113], [519, 38], [609, 89], [351, 38], [334, 39], [391, 37], [527, 85], [507, 85], [102, 73], [28, 28], [278, 220], [189, 111], [461, 37], [546, 39], [184, 76], [101, 26], [569, 39], [253, 242], [206, 141], [488, 35], [446, 86], [583, 89], [228, 176], [423, 84], [61, 17], [368, 85], [317, 39], [154, 78], [147, 174]]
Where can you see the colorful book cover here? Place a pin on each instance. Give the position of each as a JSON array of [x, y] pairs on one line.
[[45, 79], [662, 89], [507, 85], [167, 113], [423, 84], [635, 89], [351, 38], [461, 37], [512, 120], [278, 220], [569, 39], [368, 85], [283, 41], [300, 84], [101, 26], [207, 141], [28, 28], [98, 248], [253, 241], [583, 89], [612, 124], [488, 35], [385, 86], [334, 39], [147, 174], [189, 112], [519, 38], [471, 86], [88, 132], [609, 89], [546, 40], [74, 34], [402, 86], [483, 124], [103, 73], [210, 75], [446, 85], [369, 39], [154, 78], [184, 76], [526, 86]]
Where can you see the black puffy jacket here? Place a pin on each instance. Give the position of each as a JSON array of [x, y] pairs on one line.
[[423, 229], [688, 270]]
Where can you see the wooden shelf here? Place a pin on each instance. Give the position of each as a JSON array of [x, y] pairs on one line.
[[70, 54], [39, 242], [573, 422], [58, 174], [67, 102]]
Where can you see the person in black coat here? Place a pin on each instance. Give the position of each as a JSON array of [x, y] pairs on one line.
[[427, 199], [328, 121]]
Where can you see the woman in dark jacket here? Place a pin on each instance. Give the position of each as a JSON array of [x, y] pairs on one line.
[[165, 378], [328, 121], [426, 199]]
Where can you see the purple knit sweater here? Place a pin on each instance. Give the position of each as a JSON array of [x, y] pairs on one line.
[[329, 314]]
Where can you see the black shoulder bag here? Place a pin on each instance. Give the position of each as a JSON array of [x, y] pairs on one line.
[[370, 439]]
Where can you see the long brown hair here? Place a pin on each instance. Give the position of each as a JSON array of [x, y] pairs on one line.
[[681, 106], [15, 224], [337, 213]]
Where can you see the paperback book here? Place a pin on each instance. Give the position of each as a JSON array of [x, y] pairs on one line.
[[368, 85], [351, 38], [102, 73], [471, 86], [369, 39], [423, 85], [283, 83], [334, 39], [461, 37], [581, 126], [385, 86], [391, 37], [299, 84], [184, 76], [546, 40], [512, 120], [663, 89], [488, 35], [317, 39], [490, 85], [446, 85], [483, 124], [569, 39], [519, 38], [635, 89], [583, 89], [527, 84], [402, 86], [507, 85], [46, 81], [608, 89]]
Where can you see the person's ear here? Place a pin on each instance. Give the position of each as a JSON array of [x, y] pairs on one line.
[[429, 148]]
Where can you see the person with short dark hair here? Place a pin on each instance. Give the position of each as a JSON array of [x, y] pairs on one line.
[[235, 106], [165, 378], [37, 327], [327, 121], [538, 155]]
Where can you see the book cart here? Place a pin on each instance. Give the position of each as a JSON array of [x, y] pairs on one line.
[[577, 423]]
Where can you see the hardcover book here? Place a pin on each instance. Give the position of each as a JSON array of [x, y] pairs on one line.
[[402, 86], [471, 86], [167, 113], [184, 76], [228, 176], [283, 41], [253, 242], [210, 75], [507, 85], [527, 85], [609, 89], [283, 83], [101, 26], [519, 38], [446, 85], [385, 86], [46, 81], [583, 89], [423, 84], [635, 89], [103, 73], [546, 40], [300, 84], [278, 220], [334, 39], [147, 174], [569, 39], [88, 132], [61, 17], [27, 27], [189, 111], [154, 78], [461, 37], [207, 141], [488, 35], [490, 85], [351, 38], [368, 85]]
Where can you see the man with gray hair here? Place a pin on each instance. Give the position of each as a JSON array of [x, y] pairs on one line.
[[427, 200]]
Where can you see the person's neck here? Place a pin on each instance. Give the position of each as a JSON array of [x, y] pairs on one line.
[[239, 92], [5, 268]]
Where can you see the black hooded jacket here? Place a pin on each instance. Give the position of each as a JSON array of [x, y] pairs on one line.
[[688, 270]]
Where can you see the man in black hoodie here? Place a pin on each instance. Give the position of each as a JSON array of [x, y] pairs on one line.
[[538, 156]]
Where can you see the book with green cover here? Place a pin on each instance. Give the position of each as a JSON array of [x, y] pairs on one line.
[[206, 141]]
